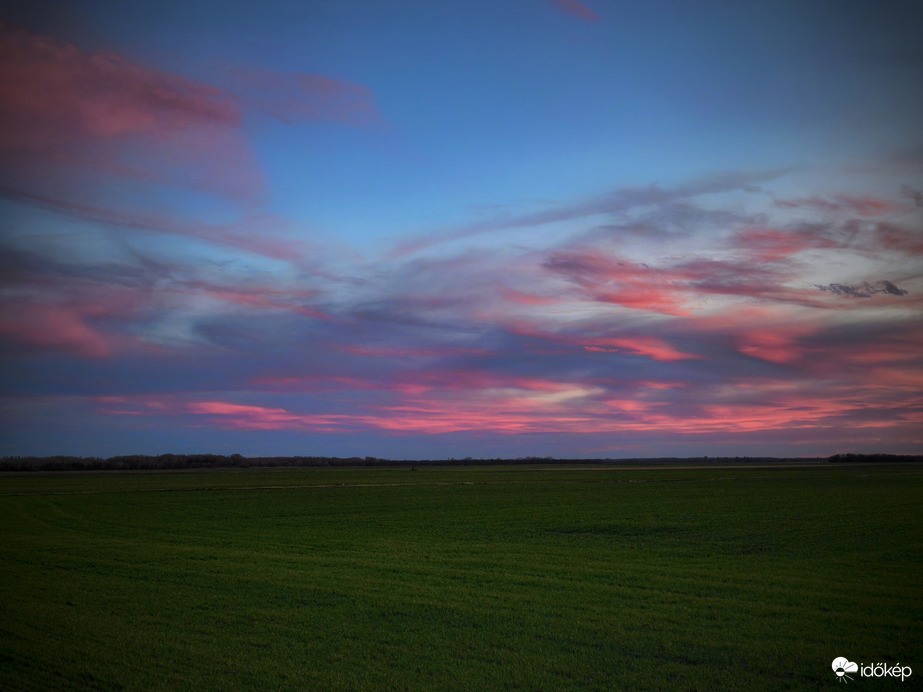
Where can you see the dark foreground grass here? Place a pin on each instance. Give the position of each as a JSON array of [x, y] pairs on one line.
[[460, 578]]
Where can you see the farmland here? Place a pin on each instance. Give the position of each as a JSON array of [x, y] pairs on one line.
[[459, 577]]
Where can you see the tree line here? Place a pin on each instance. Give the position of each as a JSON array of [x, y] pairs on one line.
[[166, 462]]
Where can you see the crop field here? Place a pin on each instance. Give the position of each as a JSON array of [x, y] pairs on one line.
[[460, 578]]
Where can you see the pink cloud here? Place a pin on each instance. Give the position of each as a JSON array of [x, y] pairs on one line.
[[569, 409], [650, 346], [768, 283], [677, 289], [867, 205], [889, 363], [613, 280], [768, 333], [394, 419], [632, 406], [653, 347], [738, 320], [905, 349], [842, 382], [899, 379], [899, 238], [776, 345], [527, 298], [416, 382], [655, 384], [53, 93], [770, 245], [641, 297], [57, 328], [62, 106], [255, 296], [247, 417], [577, 9], [74, 121]]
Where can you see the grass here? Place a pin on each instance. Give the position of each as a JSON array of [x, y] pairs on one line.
[[458, 578]]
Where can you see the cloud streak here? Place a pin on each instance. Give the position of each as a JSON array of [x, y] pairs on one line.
[[291, 97], [619, 200], [576, 9], [75, 122], [62, 107], [248, 234], [54, 94]]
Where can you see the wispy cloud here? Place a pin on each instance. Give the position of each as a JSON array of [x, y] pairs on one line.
[[770, 244], [62, 107], [64, 329], [520, 406], [613, 280], [74, 122], [863, 206], [900, 238], [248, 234], [292, 97], [619, 200], [577, 9], [54, 94]]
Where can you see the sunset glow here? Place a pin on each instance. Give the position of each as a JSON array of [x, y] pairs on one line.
[[430, 230]]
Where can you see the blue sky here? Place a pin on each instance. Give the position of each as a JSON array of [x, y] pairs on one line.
[[429, 229]]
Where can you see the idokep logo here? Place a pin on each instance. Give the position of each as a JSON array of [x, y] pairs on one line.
[[842, 666]]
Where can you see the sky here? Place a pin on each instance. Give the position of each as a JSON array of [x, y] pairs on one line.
[[437, 229]]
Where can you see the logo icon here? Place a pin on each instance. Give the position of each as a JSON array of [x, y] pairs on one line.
[[841, 666]]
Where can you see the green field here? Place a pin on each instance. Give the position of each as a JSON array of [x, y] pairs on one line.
[[460, 578]]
